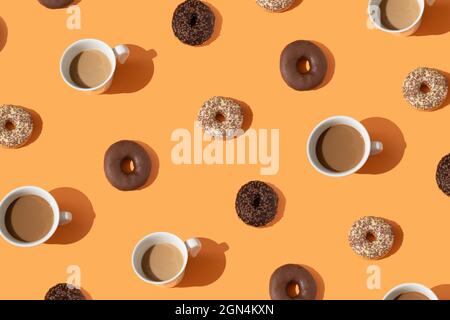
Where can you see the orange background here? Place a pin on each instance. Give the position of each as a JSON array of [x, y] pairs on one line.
[[162, 88]]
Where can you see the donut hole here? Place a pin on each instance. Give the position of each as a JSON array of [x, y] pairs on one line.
[[9, 126], [127, 166], [220, 117], [293, 289], [303, 65], [424, 88], [256, 201], [370, 236], [193, 20]]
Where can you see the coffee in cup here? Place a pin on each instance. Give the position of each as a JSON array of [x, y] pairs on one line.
[[411, 296], [29, 216], [90, 68], [162, 262], [340, 146], [399, 14], [161, 258]]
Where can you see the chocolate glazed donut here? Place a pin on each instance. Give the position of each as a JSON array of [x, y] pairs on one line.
[[292, 274], [115, 157], [292, 55], [56, 4]]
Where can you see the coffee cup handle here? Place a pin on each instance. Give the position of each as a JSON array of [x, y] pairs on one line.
[[376, 147], [65, 217], [194, 246], [122, 53]]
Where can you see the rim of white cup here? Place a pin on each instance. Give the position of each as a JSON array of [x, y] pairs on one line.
[[113, 67], [424, 290], [160, 283], [51, 232], [380, 27]]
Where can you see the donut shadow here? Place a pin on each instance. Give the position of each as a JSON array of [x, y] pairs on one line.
[[447, 100], [442, 291], [217, 26], [398, 238], [37, 127], [86, 294], [436, 19], [294, 5], [319, 282], [394, 145], [281, 207], [207, 267], [136, 73], [83, 216], [248, 115], [3, 33], [154, 169], [331, 65]]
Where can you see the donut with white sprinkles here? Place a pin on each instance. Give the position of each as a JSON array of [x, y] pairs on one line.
[[371, 237], [275, 5], [425, 89], [16, 126]]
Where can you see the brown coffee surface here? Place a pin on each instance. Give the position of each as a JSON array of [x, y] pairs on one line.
[[29, 218], [399, 14], [90, 69], [162, 262], [412, 296], [340, 148]]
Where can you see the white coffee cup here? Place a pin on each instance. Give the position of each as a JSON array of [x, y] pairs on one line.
[[119, 53], [60, 218], [375, 18], [410, 287], [191, 247], [371, 147]]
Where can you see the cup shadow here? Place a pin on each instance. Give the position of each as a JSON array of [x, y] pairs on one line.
[[217, 26], [442, 291], [398, 238], [154, 164], [3, 33], [436, 19], [136, 73], [37, 126], [281, 206], [331, 65], [83, 216], [207, 267], [319, 282], [384, 130]]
